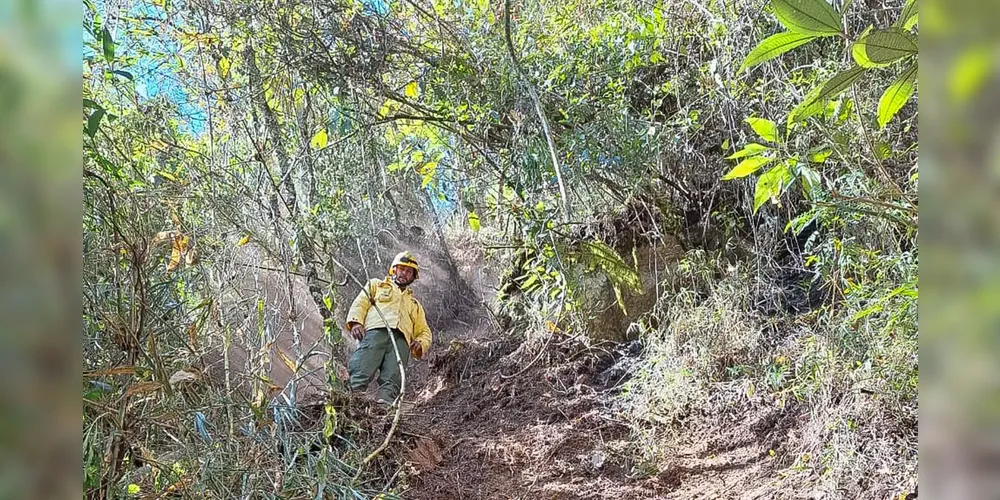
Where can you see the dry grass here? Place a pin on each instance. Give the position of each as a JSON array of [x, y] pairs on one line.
[[714, 362]]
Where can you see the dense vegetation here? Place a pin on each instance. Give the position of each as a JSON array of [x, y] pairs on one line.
[[730, 187]]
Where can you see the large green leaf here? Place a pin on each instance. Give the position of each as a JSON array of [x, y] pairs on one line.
[[882, 47], [815, 99], [108, 44], [747, 167], [772, 183], [773, 46], [859, 54], [766, 129], [908, 17], [896, 95], [751, 149], [809, 17]]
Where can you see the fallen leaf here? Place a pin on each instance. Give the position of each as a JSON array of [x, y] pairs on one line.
[[425, 456], [143, 387], [182, 377], [118, 370]]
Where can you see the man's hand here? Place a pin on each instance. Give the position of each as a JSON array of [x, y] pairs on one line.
[[357, 331], [416, 349]]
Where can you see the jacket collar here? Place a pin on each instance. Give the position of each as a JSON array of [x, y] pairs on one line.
[[388, 279]]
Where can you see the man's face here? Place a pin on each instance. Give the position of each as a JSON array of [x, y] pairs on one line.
[[403, 275]]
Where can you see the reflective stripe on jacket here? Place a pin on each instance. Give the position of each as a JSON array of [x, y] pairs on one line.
[[398, 308]]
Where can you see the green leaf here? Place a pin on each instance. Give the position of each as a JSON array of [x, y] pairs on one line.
[[747, 167], [751, 149], [766, 129], [133, 489], [773, 46], [108, 44], [320, 140], [90, 103], [530, 282], [817, 97], [412, 90], [474, 221], [428, 172], [224, 65], [772, 183], [820, 156], [94, 121], [809, 17], [800, 222], [882, 150], [858, 52], [882, 47], [811, 182], [167, 175], [896, 95], [124, 74], [599, 254], [908, 17], [330, 422]]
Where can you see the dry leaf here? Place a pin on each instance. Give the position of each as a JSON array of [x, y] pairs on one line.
[[143, 387], [191, 257], [192, 332], [182, 377], [285, 359], [118, 370], [177, 250], [425, 456], [164, 236], [273, 390], [179, 485], [342, 372]]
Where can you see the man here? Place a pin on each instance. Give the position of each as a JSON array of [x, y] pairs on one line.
[[385, 311]]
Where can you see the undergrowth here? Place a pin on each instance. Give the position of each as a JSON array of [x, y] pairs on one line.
[[849, 368]]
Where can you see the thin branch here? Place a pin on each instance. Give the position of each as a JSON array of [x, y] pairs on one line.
[[538, 110]]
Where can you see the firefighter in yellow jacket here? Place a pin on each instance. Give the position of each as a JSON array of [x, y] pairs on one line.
[[384, 310]]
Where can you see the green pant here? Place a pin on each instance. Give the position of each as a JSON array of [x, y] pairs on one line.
[[376, 353]]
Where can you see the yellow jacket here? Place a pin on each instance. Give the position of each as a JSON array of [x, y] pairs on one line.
[[398, 308]]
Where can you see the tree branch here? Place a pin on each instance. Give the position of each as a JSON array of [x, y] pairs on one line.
[[538, 110]]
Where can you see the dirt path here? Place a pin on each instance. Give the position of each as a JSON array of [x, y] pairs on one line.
[[546, 432]]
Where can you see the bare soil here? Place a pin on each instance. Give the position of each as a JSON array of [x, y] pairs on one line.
[[485, 422]]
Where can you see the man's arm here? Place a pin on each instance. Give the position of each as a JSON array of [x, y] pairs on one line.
[[421, 332], [359, 311]]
